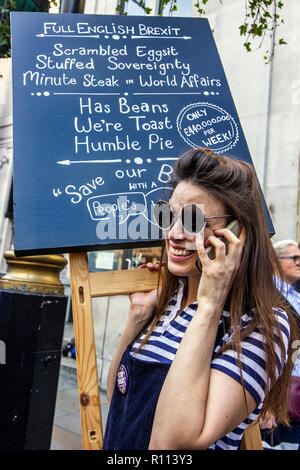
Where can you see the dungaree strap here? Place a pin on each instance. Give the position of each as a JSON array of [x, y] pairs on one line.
[[132, 409]]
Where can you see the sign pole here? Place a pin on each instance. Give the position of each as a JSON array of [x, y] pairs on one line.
[[87, 375]]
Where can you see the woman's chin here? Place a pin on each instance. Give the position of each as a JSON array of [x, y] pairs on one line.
[[182, 268]]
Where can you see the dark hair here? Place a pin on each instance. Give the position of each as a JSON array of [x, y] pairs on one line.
[[233, 182]]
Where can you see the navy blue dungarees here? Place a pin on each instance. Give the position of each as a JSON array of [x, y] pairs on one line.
[[131, 414]]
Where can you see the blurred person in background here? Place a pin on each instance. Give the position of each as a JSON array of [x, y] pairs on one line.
[[289, 256], [284, 437]]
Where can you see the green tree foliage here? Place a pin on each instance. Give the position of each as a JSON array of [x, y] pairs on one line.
[[6, 6], [262, 19]]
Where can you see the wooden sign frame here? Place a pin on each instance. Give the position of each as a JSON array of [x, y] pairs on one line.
[[85, 286]]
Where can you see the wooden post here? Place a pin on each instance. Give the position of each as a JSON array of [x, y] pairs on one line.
[[88, 388]]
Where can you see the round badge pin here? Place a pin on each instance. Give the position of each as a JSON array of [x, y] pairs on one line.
[[122, 379]]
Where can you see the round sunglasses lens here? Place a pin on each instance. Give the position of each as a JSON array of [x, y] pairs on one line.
[[192, 218], [163, 215]]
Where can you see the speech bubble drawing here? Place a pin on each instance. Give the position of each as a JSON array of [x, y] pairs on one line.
[[121, 205], [207, 125]]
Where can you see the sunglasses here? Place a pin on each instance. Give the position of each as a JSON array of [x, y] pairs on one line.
[[191, 217], [295, 258]]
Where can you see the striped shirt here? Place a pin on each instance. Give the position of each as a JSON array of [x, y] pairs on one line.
[[166, 337]]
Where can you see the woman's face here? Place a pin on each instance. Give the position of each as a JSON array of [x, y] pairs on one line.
[[291, 269], [181, 245]]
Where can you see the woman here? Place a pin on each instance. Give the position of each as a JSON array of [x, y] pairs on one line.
[[215, 350]]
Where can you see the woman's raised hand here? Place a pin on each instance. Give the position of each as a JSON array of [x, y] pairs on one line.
[[218, 274], [142, 304]]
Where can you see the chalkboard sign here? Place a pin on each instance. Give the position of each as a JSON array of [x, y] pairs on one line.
[[102, 108]]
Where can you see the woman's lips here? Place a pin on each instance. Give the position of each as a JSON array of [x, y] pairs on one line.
[[180, 255]]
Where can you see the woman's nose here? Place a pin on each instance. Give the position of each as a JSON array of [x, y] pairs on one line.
[[176, 232]]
